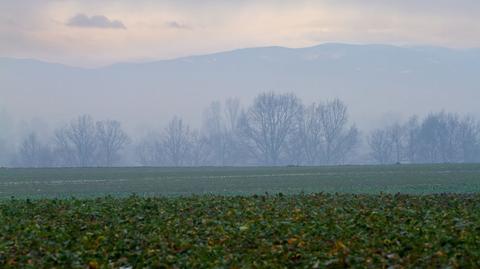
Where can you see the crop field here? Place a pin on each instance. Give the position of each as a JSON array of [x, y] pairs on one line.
[[121, 182], [281, 231], [402, 216]]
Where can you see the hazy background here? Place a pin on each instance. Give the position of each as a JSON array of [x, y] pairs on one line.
[[132, 60]]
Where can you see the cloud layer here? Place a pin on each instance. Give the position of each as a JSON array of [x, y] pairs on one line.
[[97, 21], [177, 25], [55, 30]]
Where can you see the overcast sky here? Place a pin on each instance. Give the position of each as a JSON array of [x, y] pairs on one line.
[[100, 32]]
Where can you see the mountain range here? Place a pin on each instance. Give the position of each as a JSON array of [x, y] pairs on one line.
[[379, 83]]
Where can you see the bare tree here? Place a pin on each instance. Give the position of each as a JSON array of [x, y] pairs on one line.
[[63, 150], [339, 139], [433, 138], [6, 128], [216, 135], [220, 126], [310, 135], [345, 149], [199, 152], [33, 153], [295, 148], [411, 139], [389, 144], [111, 140], [268, 123], [76, 142], [29, 151], [381, 146], [236, 151], [469, 135], [81, 133], [176, 142], [397, 137], [232, 114], [441, 137], [149, 151]]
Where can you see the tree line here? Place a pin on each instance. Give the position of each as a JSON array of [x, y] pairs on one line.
[[275, 129], [438, 138], [81, 143]]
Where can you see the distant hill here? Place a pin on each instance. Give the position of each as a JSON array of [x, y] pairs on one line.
[[371, 79]]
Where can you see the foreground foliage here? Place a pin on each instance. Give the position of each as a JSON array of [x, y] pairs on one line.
[[313, 231]]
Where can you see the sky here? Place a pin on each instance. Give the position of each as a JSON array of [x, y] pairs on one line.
[[91, 33]]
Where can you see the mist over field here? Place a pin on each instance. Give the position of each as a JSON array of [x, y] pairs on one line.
[[381, 85]]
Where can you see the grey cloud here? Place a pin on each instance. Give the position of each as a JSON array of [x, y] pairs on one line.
[[177, 25], [97, 21]]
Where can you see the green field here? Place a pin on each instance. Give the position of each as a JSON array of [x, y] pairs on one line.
[[94, 182], [282, 231], [399, 216]]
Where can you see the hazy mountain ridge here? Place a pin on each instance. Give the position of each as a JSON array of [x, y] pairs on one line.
[[371, 79]]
